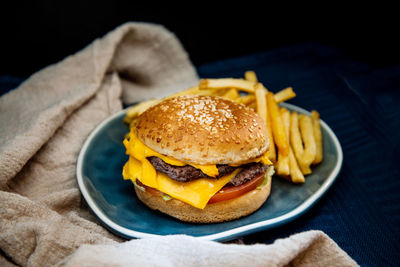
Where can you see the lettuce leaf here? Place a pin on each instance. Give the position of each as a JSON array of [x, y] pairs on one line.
[[270, 171], [166, 197]]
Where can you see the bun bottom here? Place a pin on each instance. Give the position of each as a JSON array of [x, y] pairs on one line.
[[213, 213]]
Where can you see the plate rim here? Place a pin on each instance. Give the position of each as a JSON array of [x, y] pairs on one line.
[[223, 235]]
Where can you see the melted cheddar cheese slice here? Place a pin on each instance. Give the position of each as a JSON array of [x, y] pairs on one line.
[[135, 148]]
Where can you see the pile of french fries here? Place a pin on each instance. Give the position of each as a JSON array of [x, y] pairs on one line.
[[295, 139]]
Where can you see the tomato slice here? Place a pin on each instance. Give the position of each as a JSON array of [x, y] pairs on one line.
[[231, 192]]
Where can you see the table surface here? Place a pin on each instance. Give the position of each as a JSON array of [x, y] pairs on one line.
[[361, 211]]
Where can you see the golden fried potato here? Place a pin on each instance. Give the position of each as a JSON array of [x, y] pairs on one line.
[[284, 95], [310, 150], [295, 136], [138, 109], [240, 84], [318, 136], [251, 76], [231, 94], [278, 129]]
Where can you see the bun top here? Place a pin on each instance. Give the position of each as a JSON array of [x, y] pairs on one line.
[[203, 130]]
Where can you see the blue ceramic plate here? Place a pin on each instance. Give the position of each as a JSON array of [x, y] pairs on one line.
[[114, 201]]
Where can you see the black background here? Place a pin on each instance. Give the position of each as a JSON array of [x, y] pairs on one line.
[[36, 34]]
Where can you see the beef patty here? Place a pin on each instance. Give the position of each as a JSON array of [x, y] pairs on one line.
[[248, 172], [189, 173], [186, 173]]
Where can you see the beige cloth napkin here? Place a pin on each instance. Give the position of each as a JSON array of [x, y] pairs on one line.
[[44, 122]]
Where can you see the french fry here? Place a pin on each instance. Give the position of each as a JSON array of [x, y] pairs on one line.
[[283, 164], [138, 109], [231, 94], [271, 153], [306, 130], [284, 94], [295, 136], [218, 84], [253, 106], [194, 91], [317, 135], [261, 101], [206, 92], [295, 173], [285, 114], [191, 91], [278, 130], [263, 112], [250, 76], [296, 176], [246, 99]]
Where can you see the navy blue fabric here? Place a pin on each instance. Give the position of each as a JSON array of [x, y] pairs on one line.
[[361, 211], [8, 82]]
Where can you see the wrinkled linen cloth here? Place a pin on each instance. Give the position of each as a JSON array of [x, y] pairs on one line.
[[44, 122]]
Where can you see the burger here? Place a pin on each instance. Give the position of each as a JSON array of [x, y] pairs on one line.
[[200, 159]]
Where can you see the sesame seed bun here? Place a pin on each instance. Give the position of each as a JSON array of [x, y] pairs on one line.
[[203, 130], [216, 212]]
